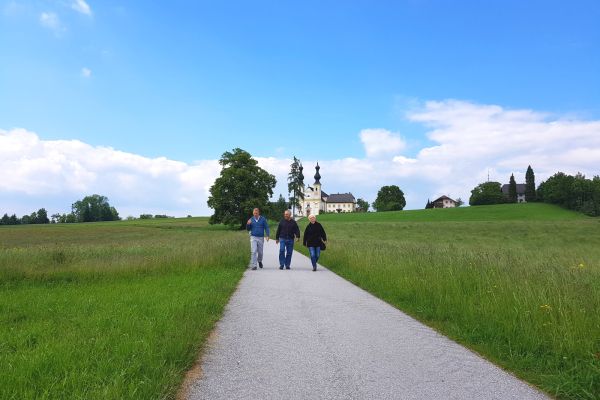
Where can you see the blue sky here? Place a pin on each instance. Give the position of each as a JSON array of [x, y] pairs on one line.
[[189, 80]]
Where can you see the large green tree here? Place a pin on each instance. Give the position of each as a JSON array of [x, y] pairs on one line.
[[486, 193], [512, 189], [94, 208], [389, 198], [530, 185], [296, 184], [42, 216], [557, 190], [241, 186]]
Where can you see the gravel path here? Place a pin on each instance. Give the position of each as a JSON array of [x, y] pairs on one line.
[[300, 334]]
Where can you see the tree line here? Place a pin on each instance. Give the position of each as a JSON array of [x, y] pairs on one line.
[[574, 192], [39, 217], [92, 208]]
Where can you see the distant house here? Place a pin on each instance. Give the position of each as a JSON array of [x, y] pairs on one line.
[[520, 192], [341, 202], [444, 202]]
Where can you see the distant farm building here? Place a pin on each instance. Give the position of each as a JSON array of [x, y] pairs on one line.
[[520, 192], [317, 201], [444, 202]]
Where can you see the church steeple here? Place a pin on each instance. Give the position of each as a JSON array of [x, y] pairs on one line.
[[317, 175]]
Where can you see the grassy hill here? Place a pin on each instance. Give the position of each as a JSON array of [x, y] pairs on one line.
[[518, 283], [503, 212], [115, 310]]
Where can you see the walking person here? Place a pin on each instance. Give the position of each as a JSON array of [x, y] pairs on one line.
[[315, 239], [259, 230], [287, 231]]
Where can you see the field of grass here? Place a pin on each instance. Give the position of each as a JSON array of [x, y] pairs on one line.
[[114, 310], [519, 284]]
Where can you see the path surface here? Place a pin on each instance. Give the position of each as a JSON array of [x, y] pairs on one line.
[[300, 334]]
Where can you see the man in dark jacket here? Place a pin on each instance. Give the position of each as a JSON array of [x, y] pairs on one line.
[[287, 230]]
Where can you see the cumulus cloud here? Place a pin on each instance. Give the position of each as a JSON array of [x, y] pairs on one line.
[[468, 141], [86, 72], [472, 138], [81, 7], [61, 171], [378, 142], [51, 21]]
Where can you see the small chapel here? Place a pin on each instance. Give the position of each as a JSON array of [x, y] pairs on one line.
[[316, 201]]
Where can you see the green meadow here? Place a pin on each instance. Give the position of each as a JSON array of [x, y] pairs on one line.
[[519, 283], [122, 309], [114, 310]]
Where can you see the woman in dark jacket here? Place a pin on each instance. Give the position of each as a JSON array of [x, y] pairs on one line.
[[314, 238]]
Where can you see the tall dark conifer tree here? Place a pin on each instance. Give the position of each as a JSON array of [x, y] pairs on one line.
[[512, 189], [530, 185], [296, 185]]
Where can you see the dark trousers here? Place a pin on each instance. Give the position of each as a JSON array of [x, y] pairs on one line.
[[315, 253], [286, 248]]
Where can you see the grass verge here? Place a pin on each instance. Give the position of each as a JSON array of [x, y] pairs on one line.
[[112, 311], [521, 288]]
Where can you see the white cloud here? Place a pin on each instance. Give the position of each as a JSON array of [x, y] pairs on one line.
[[55, 173], [472, 139], [86, 72], [401, 160], [81, 7], [378, 142], [468, 141], [481, 135], [51, 21]]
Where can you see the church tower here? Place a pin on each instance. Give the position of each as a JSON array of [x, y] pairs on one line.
[[317, 194], [317, 184], [312, 203]]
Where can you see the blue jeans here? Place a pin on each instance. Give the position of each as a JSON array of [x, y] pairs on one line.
[[286, 248], [315, 253]]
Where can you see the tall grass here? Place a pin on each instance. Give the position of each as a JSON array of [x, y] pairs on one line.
[[112, 311], [523, 293]]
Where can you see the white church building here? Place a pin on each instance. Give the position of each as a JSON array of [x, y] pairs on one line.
[[316, 201]]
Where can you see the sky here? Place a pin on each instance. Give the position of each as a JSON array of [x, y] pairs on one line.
[[137, 100]]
